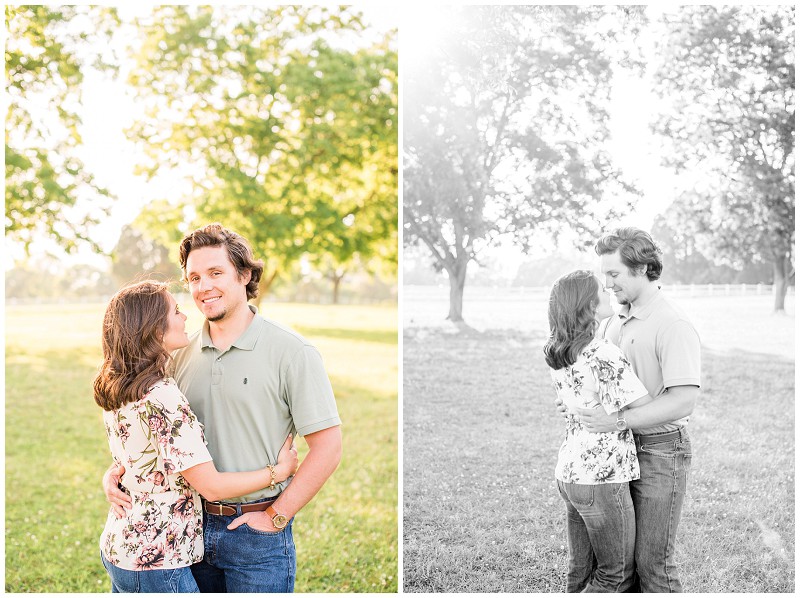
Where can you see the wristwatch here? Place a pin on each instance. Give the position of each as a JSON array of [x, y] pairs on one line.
[[278, 520], [622, 425]]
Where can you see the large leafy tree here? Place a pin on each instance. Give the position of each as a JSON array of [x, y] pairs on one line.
[[287, 130], [47, 48], [728, 73], [505, 124]]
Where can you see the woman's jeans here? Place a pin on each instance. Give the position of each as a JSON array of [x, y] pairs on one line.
[[161, 581], [601, 532], [658, 500]]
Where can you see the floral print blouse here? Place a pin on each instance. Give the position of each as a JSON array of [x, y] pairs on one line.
[[601, 376], [156, 438]]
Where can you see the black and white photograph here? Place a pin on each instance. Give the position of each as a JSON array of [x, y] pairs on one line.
[[598, 299]]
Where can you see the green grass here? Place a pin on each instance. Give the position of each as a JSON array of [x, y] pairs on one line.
[[481, 512], [56, 451]]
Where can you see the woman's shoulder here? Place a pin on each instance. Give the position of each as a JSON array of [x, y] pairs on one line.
[[164, 390], [604, 349]]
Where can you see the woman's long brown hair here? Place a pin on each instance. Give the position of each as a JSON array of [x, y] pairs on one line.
[[571, 311], [134, 357]]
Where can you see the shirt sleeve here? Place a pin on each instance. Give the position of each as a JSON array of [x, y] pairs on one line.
[[617, 385], [175, 431], [309, 394], [679, 355]]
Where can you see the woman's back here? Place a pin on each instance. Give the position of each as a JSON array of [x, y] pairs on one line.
[[601, 376], [155, 438]]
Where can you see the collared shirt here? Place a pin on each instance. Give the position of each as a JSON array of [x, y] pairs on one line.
[[662, 346], [270, 382]]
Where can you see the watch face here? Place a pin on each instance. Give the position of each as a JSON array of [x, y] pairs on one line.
[[279, 521]]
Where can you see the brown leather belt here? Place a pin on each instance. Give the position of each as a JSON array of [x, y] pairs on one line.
[[218, 508]]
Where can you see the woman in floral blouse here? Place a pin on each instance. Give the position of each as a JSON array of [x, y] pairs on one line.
[[152, 432], [593, 469]]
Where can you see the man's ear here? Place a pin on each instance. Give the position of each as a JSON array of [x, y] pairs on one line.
[[245, 278]]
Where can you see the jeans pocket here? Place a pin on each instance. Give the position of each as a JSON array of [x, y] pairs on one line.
[[580, 494], [659, 449], [262, 532]]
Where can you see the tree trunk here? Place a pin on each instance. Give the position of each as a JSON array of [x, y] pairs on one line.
[[263, 286], [780, 282], [457, 276], [336, 280]]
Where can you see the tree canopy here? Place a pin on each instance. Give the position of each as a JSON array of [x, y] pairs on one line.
[[729, 75], [505, 125], [46, 49], [287, 130]]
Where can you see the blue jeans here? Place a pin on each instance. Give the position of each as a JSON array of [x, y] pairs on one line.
[[159, 581], [245, 559], [601, 530], [658, 500]]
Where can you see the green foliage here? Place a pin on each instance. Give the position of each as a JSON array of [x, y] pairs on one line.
[[729, 75], [290, 134], [504, 130], [346, 537], [46, 49]]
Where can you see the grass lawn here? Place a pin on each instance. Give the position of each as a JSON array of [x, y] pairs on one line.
[[56, 451], [481, 512]]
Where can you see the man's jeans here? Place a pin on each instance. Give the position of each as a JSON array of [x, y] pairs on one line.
[[245, 559], [658, 499], [601, 530], [154, 581]]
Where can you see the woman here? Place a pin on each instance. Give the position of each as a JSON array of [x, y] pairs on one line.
[[152, 432], [593, 469]]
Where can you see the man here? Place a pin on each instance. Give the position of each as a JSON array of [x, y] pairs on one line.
[[251, 382], [664, 350]]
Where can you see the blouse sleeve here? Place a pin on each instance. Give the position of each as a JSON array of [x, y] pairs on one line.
[[617, 384], [175, 431]]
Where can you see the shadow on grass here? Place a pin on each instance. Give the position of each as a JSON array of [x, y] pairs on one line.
[[388, 337]]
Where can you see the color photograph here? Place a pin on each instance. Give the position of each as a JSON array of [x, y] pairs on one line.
[[201, 299]]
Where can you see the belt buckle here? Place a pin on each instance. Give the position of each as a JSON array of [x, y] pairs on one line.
[[214, 508]]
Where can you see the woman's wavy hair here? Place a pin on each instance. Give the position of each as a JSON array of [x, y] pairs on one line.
[[239, 252], [134, 357], [571, 313], [636, 249]]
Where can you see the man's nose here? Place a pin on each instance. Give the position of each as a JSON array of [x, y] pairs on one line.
[[205, 283]]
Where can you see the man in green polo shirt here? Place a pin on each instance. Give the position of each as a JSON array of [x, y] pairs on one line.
[[664, 350], [251, 382]]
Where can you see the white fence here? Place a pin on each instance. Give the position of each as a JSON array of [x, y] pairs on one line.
[[674, 290]]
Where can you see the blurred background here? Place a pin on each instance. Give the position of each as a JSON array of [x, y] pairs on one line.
[[129, 126], [530, 131]]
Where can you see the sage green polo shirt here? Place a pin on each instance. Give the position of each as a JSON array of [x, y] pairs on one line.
[[662, 346], [270, 382]]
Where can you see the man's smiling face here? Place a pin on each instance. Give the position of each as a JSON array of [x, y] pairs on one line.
[[625, 285], [215, 284]]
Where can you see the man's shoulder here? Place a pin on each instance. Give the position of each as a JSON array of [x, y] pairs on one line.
[[671, 312], [283, 334]]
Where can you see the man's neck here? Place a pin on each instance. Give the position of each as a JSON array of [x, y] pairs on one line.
[[225, 332], [648, 293]]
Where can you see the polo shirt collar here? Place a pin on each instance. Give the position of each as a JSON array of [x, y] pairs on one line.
[[246, 342], [641, 312]]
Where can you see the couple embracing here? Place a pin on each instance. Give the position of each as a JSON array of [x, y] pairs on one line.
[[626, 384]]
